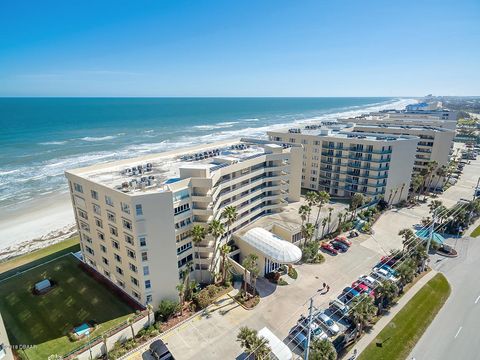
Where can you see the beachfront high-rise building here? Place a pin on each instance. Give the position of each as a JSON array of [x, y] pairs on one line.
[[343, 162], [135, 216], [434, 143], [401, 118]]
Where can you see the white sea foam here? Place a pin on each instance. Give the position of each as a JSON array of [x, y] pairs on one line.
[[53, 143], [100, 138]]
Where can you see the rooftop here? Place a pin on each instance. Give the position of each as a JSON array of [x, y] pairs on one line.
[[157, 171]]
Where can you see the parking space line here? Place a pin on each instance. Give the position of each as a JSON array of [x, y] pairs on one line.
[[478, 298], [458, 332]]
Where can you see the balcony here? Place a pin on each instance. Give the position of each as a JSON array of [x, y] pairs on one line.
[[367, 151], [359, 166], [363, 158], [362, 174]]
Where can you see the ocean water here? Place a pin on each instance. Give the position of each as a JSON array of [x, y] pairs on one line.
[[40, 138]]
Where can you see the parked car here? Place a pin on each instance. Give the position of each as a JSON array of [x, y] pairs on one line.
[[362, 288], [388, 260], [381, 265], [337, 245], [339, 306], [382, 274], [315, 328], [343, 240], [369, 281], [349, 293], [159, 351], [299, 338], [327, 322], [329, 248]]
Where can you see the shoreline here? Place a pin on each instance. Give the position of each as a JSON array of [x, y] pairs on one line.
[[36, 224]]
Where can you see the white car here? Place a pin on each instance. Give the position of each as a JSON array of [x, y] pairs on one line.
[[339, 307], [382, 274], [369, 281], [328, 323], [316, 330]]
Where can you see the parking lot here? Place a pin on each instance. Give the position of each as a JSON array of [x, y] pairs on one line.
[[212, 335]]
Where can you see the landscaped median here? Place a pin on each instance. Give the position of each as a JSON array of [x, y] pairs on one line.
[[399, 337]]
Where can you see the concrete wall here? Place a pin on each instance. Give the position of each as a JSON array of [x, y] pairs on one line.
[[123, 335]]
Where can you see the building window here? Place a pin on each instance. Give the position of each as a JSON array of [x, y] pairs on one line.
[[78, 187], [94, 194], [134, 281], [184, 248], [127, 224], [136, 295], [89, 250], [138, 210], [96, 209], [131, 253], [115, 244], [101, 235], [113, 231], [103, 248], [119, 271], [132, 267], [129, 239], [181, 209], [106, 273], [146, 271], [105, 261], [110, 216], [143, 241], [121, 284], [183, 261], [117, 257], [84, 226], [98, 222], [125, 207], [108, 200], [144, 256], [82, 214], [148, 285], [86, 238], [149, 299]]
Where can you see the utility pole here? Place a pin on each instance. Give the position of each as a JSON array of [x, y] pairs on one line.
[[430, 238], [309, 329]]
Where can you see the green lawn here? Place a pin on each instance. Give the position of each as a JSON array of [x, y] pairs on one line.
[[34, 258], [402, 333], [45, 320], [476, 232]]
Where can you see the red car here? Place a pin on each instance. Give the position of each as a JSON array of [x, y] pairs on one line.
[[388, 260], [328, 247], [343, 240], [362, 288]]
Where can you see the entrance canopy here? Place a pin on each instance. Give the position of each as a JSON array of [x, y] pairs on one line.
[[272, 247], [424, 234]]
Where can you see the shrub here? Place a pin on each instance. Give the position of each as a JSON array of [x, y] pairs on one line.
[[212, 290], [282, 282], [166, 309], [202, 299], [310, 251], [292, 272]]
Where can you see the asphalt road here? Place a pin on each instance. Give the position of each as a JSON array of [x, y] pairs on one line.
[[454, 333]]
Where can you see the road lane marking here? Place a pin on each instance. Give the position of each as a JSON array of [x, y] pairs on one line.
[[458, 332], [478, 298]]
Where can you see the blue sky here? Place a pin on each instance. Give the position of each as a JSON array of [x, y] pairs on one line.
[[239, 48]]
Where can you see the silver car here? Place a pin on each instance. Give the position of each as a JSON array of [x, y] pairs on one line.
[[328, 323]]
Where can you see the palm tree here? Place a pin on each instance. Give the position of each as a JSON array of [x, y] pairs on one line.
[[385, 293], [304, 212], [406, 272], [329, 220], [181, 295], [256, 347], [441, 173], [217, 230], [322, 350], [417, 183], [356, 201], [149, 311], [230, 215], [311, 198], [393, 197], [130, 323], [408, 236], [431, 166], [224, 251], [250, 264], [362, 311], [324, 224], [308, 232], [198, 235], [401, 191], [322, 198], [104, 339]]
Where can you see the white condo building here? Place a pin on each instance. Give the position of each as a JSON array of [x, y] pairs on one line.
[[135, 216], [343, 162]]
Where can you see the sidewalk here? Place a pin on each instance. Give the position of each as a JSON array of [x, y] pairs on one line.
[[384, 320]]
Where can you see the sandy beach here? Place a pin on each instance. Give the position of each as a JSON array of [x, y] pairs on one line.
[[36, 224]]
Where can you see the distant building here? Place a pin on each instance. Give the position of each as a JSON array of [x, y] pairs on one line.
[[135, 216], [343, 162]]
